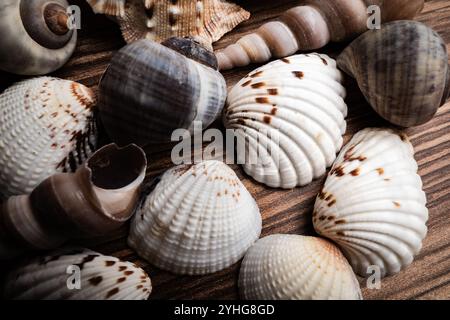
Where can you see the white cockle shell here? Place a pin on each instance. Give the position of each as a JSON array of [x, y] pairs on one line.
[[372, 204], [294, 267], [55, 277], [198, 220], [291, 112], [46, 126]]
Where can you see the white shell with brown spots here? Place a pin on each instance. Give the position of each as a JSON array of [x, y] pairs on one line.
[[372, 204], [46, 126], [293, 112], [294, 267], [53, 277], [198, 220]]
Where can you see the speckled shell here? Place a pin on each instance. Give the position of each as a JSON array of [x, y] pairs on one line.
[[311, 26], [29, 46], [205, 20], [402, 71], [46, 126], [102, 278], [372, 204], [150, 90], [293, 267], [198, 220], [293, 110]]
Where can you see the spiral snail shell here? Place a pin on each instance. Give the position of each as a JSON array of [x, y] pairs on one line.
[[149, 90], [402, 71], [311, 26], [98, 198], [36, 39]]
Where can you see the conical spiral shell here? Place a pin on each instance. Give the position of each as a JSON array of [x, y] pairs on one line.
[[310, 27], [55, 275], [372, 204], [290, 111], [402, 70], [198, 220], [288, 267], [46, 126]]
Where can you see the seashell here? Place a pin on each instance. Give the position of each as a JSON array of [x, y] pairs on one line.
[[98, 198], [46, 126], [406, 76], [36, 38], [205, 20], [372, 205], [291, 113], [54, 277], [310, 27], [150, 90], [293, 267], [198, 220]]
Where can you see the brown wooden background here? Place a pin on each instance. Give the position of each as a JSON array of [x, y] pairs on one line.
[[290, 211]]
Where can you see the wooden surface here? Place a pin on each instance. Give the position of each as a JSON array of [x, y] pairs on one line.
[[290, 211]]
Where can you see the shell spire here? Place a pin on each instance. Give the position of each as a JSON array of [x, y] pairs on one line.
[[311, 27]]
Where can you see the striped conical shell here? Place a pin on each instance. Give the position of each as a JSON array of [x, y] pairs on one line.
[[292, 111], [282, 267], [372, 204], [198, 220], [46, 126]]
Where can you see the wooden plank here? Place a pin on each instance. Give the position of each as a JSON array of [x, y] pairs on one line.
[[289, 211]]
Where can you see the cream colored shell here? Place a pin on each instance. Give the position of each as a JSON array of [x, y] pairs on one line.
[[292, 114], [54, 277], [372, 204], [46, 126], [198, 220], [282, 267]]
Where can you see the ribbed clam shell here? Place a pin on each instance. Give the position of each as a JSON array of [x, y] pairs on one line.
[[292, 111], [199, 219], [46, 126], [402, 70], [282, 267], [109, 7], [372, 204], [102, 278]]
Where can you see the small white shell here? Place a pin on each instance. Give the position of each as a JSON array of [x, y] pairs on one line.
[[199, 219], [372, 204], [53, 277], [281, 267], [291, 111], [46, 126]]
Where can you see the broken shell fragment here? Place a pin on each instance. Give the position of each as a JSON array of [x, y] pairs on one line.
[[198, 220], [372, 204], [291, 115], [98, 198], [77, 274], [293, 267]]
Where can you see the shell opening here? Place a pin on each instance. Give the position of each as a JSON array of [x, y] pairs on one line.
[[46, 22], [115, 168], [192, 49]]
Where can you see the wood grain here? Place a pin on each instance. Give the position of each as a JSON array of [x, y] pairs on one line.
[[290, 211]]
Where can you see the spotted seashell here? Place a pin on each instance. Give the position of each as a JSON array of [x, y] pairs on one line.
[[296, 267], [55, 277], [198, 220], [291, 113], [372, 205], [46, 126]]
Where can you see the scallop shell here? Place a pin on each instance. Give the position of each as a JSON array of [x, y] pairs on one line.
[[52, 277], [372, 204], [282, 267], [46, 126], [402, 70], [291, 111], [205, 20], [198, 220]]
